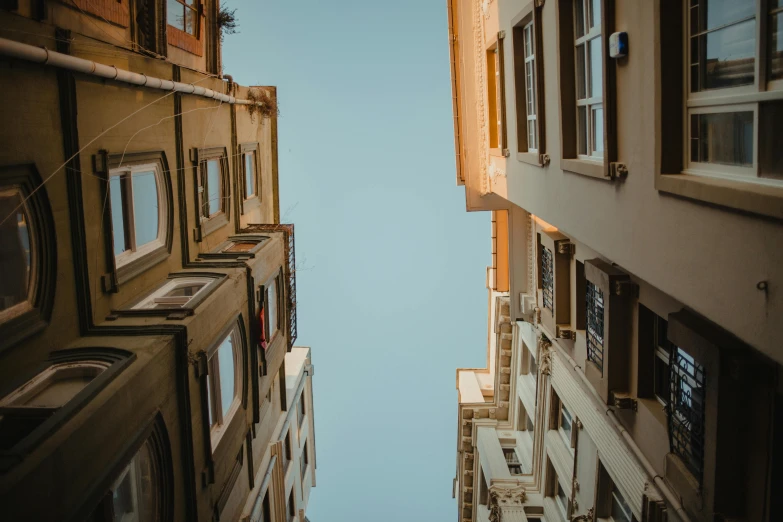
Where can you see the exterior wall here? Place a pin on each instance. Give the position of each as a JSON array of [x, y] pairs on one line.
[[69, 130], [706, 268]]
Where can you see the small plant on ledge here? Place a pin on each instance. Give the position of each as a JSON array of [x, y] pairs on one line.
[[264, 105], [227, 21]]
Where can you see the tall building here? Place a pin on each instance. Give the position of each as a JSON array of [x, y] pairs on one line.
[[148, 290], [636, 186]]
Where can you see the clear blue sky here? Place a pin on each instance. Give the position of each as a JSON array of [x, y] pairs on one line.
[[391, 294]]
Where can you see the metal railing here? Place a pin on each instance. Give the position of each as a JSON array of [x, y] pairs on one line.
[[289, 272]]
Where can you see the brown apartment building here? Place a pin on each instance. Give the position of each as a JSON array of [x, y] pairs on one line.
[[636, 289], [148, 296]]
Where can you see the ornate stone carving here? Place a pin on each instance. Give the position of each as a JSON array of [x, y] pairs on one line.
[[545, 355], [492, 413], [540, 3], [588, 517], [504, 495]]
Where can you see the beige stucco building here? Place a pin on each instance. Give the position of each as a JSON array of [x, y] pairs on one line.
[[634, 343], [148, 291]]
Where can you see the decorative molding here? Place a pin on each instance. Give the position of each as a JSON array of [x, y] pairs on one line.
[[504, 496], [481, 11], [545, 356]]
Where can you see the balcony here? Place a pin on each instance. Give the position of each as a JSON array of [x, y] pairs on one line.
[[290, 270]]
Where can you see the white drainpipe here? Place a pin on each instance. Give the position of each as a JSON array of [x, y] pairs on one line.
[[31, 53]]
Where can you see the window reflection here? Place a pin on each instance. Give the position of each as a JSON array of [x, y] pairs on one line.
[[15, 250]]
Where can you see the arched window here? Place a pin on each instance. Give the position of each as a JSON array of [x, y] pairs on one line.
[[28, 254]]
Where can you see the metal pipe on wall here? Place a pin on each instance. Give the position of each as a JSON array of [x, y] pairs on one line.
[[31, 53]]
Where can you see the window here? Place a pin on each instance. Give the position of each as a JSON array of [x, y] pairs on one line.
[[554, 281], [183, 16], [266, 511], [286, 451], [686, 412], [610, 502], [561, 499], [291, 507], [301, 410], [528, 70], [547, 279], [529, 424], [251, 189], [595, 326], [134, 493], [224, 382], [213, 187], [51, 395], [621, 511], [235, 247], [17, 249], [303, 461], [565, 425], [273, 300], [661, 371], [177, 292], [734, 105], [138, 211], [512, 461], [495, 101], [589, 79]]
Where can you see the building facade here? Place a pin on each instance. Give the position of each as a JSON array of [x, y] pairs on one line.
[[634, 355], [148, 297]]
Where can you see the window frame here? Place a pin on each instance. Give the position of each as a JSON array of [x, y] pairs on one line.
[[221, 251], [32, 315], [496, 96], [559, 315], [304, 460], [742, 98], [196, 8], [213, 280], [115, 361], [209, 223], [127, 267], [607, 167], [589, 102], [218, 422], [291, 506], [530, 16], [280, 307]]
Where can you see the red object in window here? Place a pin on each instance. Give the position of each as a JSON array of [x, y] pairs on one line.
[[262, 335]]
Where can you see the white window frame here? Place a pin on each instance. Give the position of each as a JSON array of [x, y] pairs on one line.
[[203, 188], [159, 295], [274, 325], [220, 421], [134, 251], [731, 99], [531, 92], [44, 379], [593, 102], [567, 436], [562, 508]]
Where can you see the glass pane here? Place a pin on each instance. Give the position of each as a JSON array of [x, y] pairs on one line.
[[117, 218], [147, 480], [621, 512], [145, 207], [597, 115], [250, 185], [214, 205], [726, 138], [14, 250], [209, 402], [531, 135], [175, 14], [770, 131], [728, 56], [185, 290], [226, 361], [579, 18], [596, 68], [776, 46], [124, 496], [191, 22], [581, 130], [717, 13], [581, 73], [595, 13]]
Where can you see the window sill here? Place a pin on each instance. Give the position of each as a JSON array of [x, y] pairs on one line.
[[141, 264], [744, 196], [496, 152], [251, 203], [216, 435], [531, 158], [214, 223], [592, 169]]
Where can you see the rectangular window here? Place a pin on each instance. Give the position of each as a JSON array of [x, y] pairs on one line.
[[565, 425], [177, 292], [266, 511], [733, 102], [213, 188], [250, 174], [303, 461], [493, 98], [286, 451], [595, 326], [183, 16], [547, 278], [589, 79], [686, 411], [291, 506], [272, 307], [301, 410], [527, 76], [512, 461], [663, 350], [224, 382], [562, 501]]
